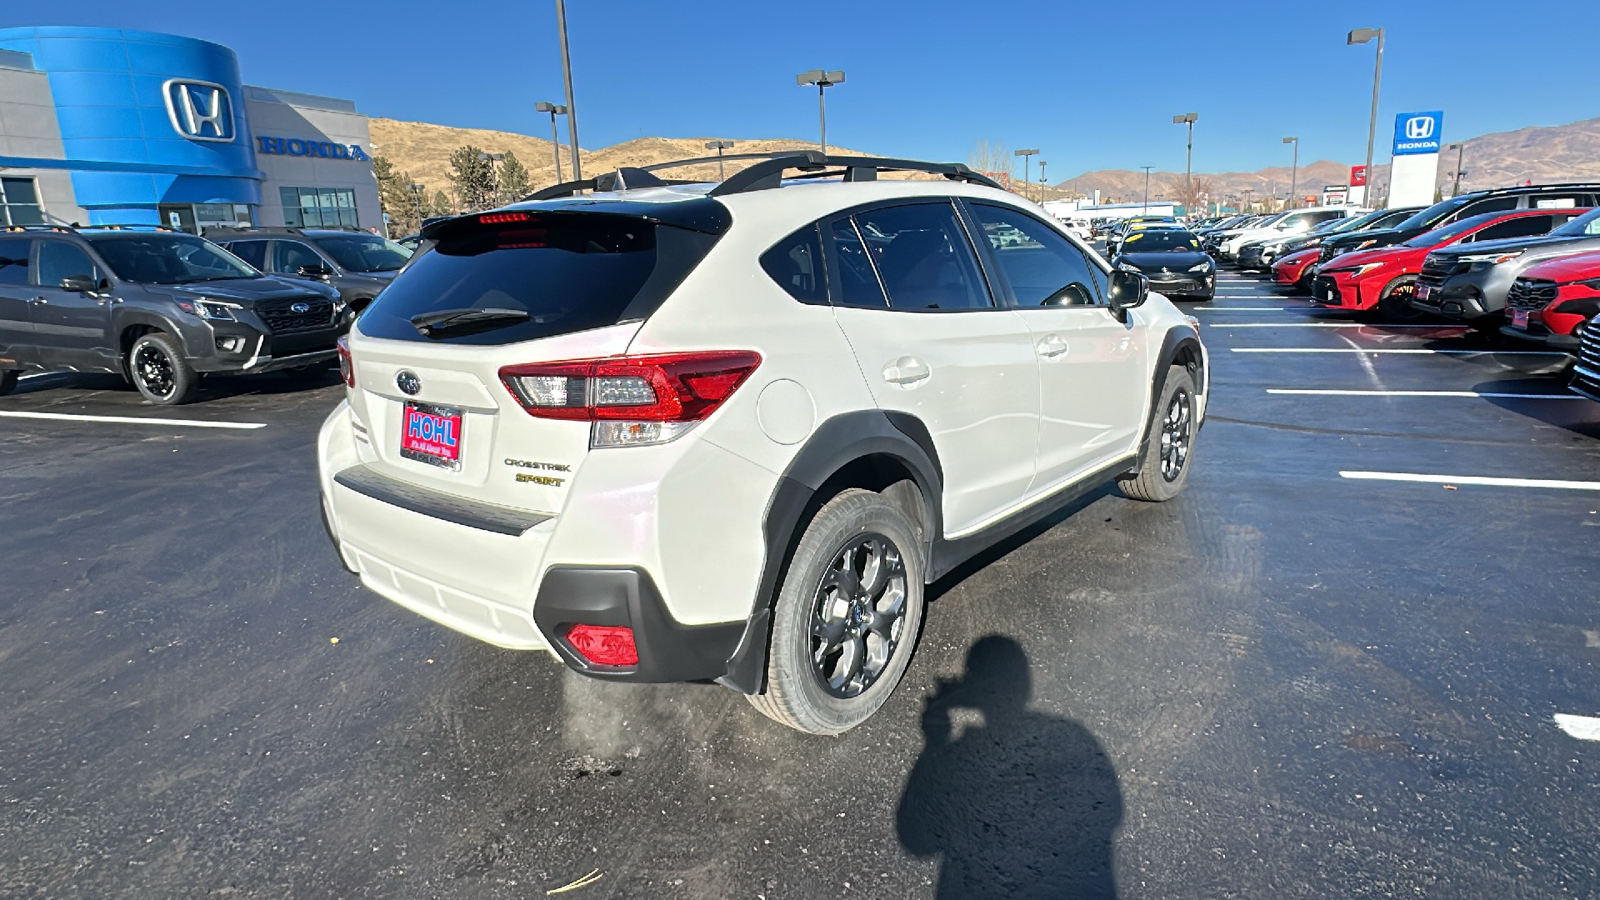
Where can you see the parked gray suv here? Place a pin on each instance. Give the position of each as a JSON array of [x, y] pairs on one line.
[[358, 264], [1471, 281], [156, 306]]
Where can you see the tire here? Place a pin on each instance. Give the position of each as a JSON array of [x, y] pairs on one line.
[[157, 368], [1394, 304], [8, 381], [856, 533], [1164, 468]]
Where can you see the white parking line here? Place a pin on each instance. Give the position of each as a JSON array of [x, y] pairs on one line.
[[134, 420], [1328, 325], [1396, 350], [1488, 394], [1584, 728], [1480, 480]]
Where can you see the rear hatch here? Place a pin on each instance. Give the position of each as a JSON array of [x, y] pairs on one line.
[[431, 403]]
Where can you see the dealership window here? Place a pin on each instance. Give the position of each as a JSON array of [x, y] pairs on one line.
[[19, 202], [319, 207]]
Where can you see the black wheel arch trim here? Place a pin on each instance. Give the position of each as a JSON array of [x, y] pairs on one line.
[[1179, 339]]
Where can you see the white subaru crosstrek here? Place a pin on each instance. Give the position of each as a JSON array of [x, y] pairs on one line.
[[675, 432]]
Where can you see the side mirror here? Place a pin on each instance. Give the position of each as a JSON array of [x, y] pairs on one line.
[[83, 284], [314, 271], [1127, 290]]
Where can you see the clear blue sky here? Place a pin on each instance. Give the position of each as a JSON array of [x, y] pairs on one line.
[[1092, 84]]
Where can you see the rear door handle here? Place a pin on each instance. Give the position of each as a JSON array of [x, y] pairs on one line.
[[906, 370], [1051, 346], [40, 300]]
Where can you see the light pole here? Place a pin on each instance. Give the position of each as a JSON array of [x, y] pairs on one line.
[[1146, 189], [1361, 36], [1188, 165], [416, 199], [572, 106], [823, 80], [1460, 149], [719, 146], [1294, 172], [491, 159], [1026, 169], [1245, 195], [555, 137], [1042, 182]]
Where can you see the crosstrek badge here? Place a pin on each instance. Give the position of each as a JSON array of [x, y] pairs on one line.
[[431, 434]]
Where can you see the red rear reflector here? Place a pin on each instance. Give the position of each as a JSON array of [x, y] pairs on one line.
[[604, 645], [502, 218], [347, 367], [686, 387]]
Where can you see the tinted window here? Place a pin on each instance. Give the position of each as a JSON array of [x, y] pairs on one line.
[[59, 259], [1043, 269], [1155, 241], [289, 256], [167, 258], [923, 257], [855, 282], [796, 265], [1497, 204], [1521, 226], [1449, 233], [573, 274], [252, 252], [1586, 224], [14, 260], [365, 253]]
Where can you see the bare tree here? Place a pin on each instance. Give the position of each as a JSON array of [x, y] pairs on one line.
[[993, 159]]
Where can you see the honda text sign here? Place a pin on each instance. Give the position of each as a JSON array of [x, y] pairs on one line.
[[1417, 132], [199, 110]]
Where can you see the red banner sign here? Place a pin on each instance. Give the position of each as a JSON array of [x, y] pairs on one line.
[[1358, 176]]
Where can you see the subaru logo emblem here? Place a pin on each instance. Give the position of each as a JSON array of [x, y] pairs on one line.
[[1419, 128], [300, 308], [199, 110], [408, 382]]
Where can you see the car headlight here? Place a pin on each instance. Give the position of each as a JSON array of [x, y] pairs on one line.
[[1361, 270], [216, 310], [1495, 258], [1200, 267]]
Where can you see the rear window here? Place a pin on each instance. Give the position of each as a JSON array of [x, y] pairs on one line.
[[567, 272]]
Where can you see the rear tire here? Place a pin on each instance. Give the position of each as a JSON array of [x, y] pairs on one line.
[[847, 617], [1164, 468], [158, 369], [8, 381], [1395, 301]]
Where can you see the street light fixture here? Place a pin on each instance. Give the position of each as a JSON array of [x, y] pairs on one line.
[[1042, 182], [572, 106], [1026, 169], [1244, 194], [416, 198], [555, 138], [1460, 149], [719, 146], [1146, 188], [1294, 172], [823, 80], [1362, 36], [1188, 165]]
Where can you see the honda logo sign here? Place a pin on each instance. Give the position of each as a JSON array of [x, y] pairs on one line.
[[1417, 132], [199, 110]]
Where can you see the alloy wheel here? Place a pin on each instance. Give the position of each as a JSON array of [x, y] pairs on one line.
[[1176, 428], [858, 615], [154, 370]]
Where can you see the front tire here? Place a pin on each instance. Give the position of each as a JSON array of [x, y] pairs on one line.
[[158, 369], [847, 616], [1164, 468], [1394, 304]]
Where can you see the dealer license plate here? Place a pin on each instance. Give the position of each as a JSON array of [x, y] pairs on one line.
[[1422, 292], [1519, 318], [431, 434]]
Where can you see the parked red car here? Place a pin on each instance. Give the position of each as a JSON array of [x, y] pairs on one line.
[[1384, 278], [1548, 302], [1291, 269]]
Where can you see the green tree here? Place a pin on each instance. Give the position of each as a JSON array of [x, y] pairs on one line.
[[472, 177], [395, 197], [440, 206], [513, 179]]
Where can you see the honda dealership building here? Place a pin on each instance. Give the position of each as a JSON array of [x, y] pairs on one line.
[[106, 126]]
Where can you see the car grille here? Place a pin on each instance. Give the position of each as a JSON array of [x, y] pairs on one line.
[[281, 316], [1586, 375], [1529, 293], [1437, 268]]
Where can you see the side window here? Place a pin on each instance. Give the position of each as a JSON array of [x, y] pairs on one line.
[[59, 259], [1042, 267], [14, 261], [289, 256], [252, 252], [923, 257], [1522, 226], [1494, 204], [795, 263], [855, 283]]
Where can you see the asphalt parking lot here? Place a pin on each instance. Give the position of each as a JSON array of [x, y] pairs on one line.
[[1332, 668]]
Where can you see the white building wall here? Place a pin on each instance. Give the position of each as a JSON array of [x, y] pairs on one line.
[[28, 128], [286, 115]]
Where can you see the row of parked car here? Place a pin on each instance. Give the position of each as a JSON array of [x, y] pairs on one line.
[[1521, 261]]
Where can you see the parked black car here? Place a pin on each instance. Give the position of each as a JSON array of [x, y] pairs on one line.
[[1470, 281], [1553, 196], [1586, 370], [158, 307], [1172, 260], [357, 263]]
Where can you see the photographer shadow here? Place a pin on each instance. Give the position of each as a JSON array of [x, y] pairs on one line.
[[1026, 805]]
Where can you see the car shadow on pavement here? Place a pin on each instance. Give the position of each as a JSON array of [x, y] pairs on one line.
[[1025, 805]]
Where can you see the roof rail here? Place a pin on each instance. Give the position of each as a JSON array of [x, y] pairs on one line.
[[768, 173], [130, 226], [62, 229]]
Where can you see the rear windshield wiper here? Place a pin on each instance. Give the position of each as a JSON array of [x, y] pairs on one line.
[[466, 321]]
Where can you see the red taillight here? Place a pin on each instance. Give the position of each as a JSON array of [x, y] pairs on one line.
[[604, 645], [347, 368], [502, 218], [665, 387]]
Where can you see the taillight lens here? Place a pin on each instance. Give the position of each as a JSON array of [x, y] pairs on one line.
[[631, 399], [347, 368], [604, 645]]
